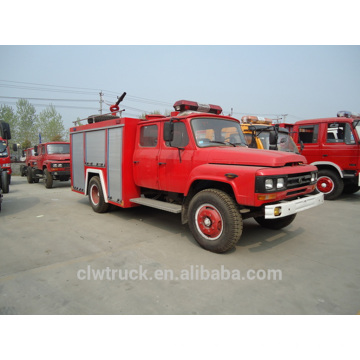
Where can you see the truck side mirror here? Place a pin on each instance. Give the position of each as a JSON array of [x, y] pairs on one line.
[[5, 130], [273, 140], [168, 131], [23, 153], [301, 146], [14, 147], [36, 150]]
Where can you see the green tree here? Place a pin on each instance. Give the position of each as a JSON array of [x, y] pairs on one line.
[[50, 125], [7, 114], [26, 120]]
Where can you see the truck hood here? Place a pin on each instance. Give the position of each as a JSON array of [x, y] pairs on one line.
[[58, 157], [253, 157]]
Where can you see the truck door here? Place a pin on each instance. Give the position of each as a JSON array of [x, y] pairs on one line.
[[309, 136], [146, 157], [340, 146], [175, 160]]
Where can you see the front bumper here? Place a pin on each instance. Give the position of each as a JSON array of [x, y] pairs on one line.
[[287, 208]]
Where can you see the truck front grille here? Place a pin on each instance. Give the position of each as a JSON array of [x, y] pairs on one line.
[[298, 180]]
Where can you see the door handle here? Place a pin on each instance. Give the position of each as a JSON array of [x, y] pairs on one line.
[[162, 163], [136, 162]]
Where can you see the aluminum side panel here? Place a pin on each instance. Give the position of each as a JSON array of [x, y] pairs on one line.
[[95, 148], [78, 168], [114, 161]]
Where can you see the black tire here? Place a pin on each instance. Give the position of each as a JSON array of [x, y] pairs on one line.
[[330, 184], [275, 224], [96, 196], [9, 179], [48, 179], [22, 170], [351, 188], [29, 175], [214, 220], [5, 182]]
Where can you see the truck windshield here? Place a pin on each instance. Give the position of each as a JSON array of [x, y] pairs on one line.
[[58, 149], [284, 143], [3, 146], [217, 132]]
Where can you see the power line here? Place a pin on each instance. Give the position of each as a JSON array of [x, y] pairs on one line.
[[27, 98]]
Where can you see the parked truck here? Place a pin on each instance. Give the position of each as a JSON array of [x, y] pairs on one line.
[[185, 163], [29, 156], [5, 159], [5, 162], [51, 161], [333, 145]]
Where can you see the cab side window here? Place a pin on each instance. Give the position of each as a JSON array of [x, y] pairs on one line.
[[181, 138], [340, 133], [149, 136], [308, 134]]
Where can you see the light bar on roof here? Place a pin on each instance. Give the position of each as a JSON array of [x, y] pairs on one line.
[[347, 114], [183, 105]]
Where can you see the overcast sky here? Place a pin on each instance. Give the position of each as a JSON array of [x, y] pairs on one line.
[[301, 81]]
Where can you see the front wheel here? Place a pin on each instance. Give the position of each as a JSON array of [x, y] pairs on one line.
[[330, 184], [215, 220], [48, 179], [29, 175], [275, 224], [96, 196]]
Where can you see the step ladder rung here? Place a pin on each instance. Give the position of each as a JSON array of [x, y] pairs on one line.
[[174, 208]]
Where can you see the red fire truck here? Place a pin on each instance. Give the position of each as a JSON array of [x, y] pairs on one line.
[[51, 162], [186, 163], [5, 161], [29, 155], [333, 145]]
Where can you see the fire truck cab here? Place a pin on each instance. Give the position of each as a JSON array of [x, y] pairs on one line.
[[189, 163], [333, 145]]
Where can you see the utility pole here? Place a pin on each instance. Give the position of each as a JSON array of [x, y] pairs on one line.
[[284, 115], [101, 101]]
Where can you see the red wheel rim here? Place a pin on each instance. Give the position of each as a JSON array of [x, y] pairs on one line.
[[325, 184], [94, 194], [209, 221]]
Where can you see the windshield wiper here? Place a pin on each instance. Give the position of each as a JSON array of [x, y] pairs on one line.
[[222, 142]]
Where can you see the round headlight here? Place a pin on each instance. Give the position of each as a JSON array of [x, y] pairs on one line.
[[269, 184]]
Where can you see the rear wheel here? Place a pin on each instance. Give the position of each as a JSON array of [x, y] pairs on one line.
[[214, 220], [96, 196], [330, 184], [275, 224]]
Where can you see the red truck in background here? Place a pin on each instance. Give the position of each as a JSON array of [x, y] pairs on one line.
[[186, 164], [29, 155], [51, 161], [333, 145], [5, 161]]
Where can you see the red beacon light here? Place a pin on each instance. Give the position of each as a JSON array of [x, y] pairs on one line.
[[184, 105]]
